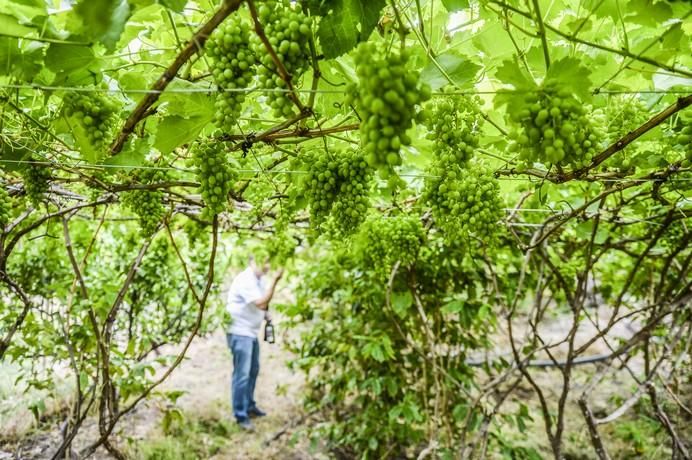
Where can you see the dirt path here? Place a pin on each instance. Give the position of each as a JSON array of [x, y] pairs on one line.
[[205, 377]]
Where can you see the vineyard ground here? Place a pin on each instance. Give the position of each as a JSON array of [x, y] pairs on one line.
[[204, 377]]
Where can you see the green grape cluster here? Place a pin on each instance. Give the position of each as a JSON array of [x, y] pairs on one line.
[[232, 66], [386, 98], [216, 176], [383, 241], [683, 137], [555, 127], [337, 184], [454, 122], [281, 245], [288, 31], [623, 114], [94, 112], [147, 204], [5, 207], [36, 181], [465, 201]]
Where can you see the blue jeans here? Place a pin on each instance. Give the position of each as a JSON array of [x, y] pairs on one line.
[[245, 352]]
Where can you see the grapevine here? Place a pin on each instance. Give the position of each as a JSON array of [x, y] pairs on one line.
[[386, 100], [147, 204], [454, 123], [233, 67], [554, 127], [288, 31], [337, 184], [36, 181], [94, 112], [465, 201], [215, 175]]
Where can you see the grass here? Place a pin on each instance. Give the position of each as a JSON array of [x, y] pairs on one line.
[[186, 437]]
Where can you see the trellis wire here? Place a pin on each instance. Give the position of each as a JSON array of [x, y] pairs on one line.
[[289, 171], [90, 89]]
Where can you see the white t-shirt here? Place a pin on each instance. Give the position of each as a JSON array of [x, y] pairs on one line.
[[247, 318]]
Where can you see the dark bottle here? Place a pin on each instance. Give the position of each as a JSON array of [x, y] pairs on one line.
[[269, 332]]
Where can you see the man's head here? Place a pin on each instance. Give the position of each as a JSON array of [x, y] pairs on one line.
[[259, 266]]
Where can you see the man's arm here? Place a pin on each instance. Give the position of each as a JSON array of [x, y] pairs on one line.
[[263, 302]]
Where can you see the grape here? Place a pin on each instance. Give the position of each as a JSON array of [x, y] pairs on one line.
[[623, 114], [94, 112], [465, 202], [454, 122], [554, 127], [386, 99], [5, 207], [383, 241], [682, 138], [337, 184], [288, 31], [281, 246], [36, 181], [215, 175], [147, 204], [233, 67]]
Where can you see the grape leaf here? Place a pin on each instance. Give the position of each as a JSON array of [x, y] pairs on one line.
[[103, 19], [572, 75], [455, 5], [174, 5], [175, 130], [460, 69], [510, 72], [66, 58], [346, 23], [648, 12], [401, 301]]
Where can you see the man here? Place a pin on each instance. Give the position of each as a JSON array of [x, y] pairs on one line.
[[248, 301]]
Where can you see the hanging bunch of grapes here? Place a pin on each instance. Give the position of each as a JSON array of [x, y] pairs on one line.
[[233, 68], [281, 245], [465, 201], [386, 98], [288, 31], [555, 127], [216, 176], [454, 122], [147, 204], [95, 113], [337, 184], [682, 135], [5, 206], [383, 241], [622, 115], [36, 178]]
